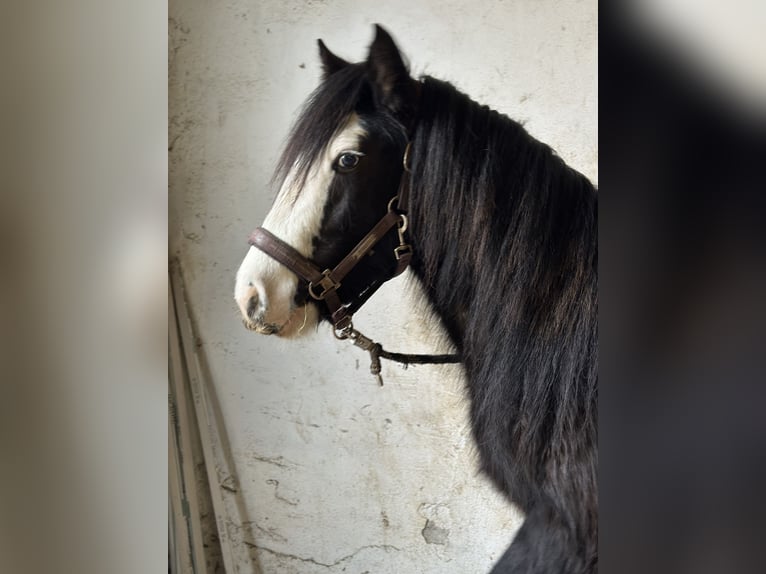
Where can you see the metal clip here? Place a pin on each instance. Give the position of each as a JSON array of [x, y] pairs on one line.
[[404, 248], [361, 341], [347, 331], [344, 329], [401, 251], [402, 226]]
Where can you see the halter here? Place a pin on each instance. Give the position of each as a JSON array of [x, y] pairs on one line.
[[324, 285]]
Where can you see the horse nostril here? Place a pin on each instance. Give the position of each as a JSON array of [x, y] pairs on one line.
[[252, 307]]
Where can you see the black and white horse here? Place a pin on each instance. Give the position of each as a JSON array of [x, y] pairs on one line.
[[503, 237]]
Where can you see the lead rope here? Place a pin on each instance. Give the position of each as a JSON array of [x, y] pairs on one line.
[[377, 352]]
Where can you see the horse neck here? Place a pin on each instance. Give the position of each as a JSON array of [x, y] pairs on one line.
[[501, 226]]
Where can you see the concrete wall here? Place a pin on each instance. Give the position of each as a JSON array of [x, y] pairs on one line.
[[338, 474]]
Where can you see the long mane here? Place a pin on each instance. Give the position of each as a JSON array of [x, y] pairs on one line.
[[506, 236]]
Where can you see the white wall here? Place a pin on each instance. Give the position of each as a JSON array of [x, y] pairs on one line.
[[337, 473]]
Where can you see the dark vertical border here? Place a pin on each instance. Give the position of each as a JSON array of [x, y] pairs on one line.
[[682, 423]]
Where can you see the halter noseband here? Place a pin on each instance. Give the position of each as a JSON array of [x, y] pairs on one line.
[[324, 285]]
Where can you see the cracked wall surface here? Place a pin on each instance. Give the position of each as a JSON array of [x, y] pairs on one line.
[[337, 473]]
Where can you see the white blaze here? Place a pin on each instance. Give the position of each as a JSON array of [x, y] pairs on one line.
[[296, 218]]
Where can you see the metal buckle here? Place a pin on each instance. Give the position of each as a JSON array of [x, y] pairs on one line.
[[327, 283], [402, 250]]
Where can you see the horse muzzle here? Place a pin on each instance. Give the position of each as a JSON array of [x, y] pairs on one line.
[[260, 328]]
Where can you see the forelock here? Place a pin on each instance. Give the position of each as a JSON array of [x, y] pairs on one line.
[[323, 116]]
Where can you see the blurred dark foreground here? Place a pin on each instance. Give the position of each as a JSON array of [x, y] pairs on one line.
[[683, 299]]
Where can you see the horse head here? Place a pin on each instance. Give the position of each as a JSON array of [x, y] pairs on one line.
[[337, 176]]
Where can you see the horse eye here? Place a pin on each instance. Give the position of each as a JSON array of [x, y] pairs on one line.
[[347, 161]]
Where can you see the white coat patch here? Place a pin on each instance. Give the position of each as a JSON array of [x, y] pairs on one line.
[[296, 218]]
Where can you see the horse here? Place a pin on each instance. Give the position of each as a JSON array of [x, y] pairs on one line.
[[383, 171]]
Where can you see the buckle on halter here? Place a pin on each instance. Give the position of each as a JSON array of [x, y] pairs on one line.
[[402, 251], [327, 283]]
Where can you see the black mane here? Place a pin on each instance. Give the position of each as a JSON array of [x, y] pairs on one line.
[[505, 237]]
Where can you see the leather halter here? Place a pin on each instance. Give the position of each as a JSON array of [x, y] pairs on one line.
[[323, 285]]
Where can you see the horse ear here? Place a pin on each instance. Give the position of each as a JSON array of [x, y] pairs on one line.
[[389, 72], [330, 62]]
